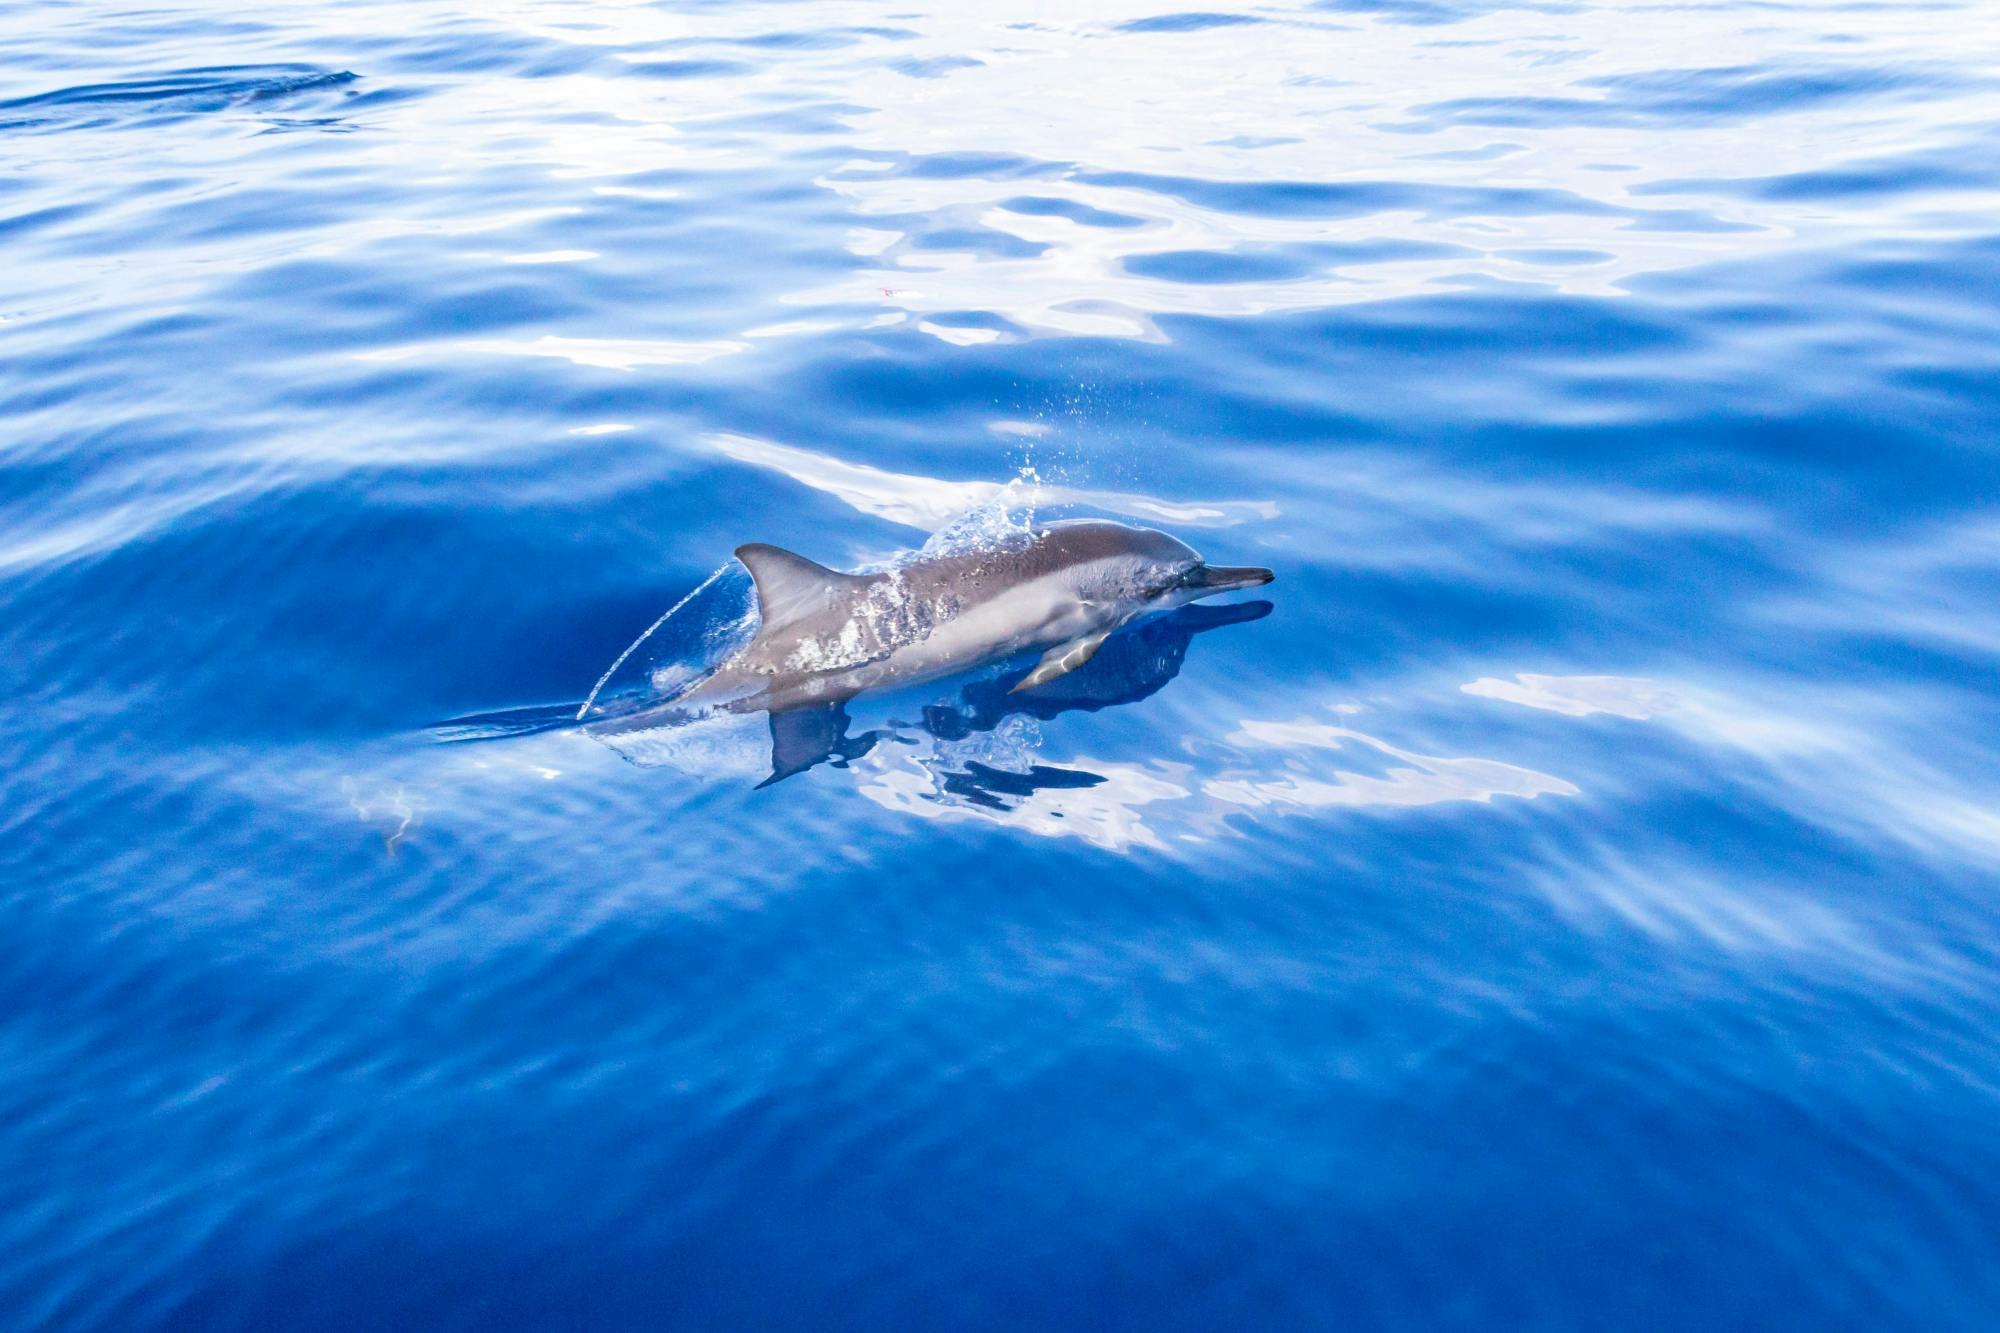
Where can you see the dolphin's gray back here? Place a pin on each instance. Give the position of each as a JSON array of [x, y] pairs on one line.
[[983, 573], [1083, 541]]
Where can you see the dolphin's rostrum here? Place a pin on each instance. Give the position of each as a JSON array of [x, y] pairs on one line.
[[1063, 589]]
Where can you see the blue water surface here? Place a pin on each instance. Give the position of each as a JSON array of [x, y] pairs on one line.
[[1567, 899]]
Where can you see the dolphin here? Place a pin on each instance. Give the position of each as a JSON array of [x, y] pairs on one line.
[[1060, 589]]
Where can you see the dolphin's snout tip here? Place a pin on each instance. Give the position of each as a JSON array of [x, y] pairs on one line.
[[1222, 578]]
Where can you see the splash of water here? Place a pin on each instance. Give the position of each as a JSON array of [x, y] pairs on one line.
[[692, 639], [704, 631]]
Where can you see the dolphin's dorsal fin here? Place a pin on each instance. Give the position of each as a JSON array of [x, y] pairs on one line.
[[788, 585]]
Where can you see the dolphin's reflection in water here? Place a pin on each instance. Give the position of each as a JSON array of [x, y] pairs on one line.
[[976, 752], [1132, 665]]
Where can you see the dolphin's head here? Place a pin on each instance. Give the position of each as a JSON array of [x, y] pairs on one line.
[[1145, 565]]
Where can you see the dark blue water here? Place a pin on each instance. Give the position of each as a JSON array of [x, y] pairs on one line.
[[1567, 899]]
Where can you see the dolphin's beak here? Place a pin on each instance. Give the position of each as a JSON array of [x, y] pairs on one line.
[[1224, 578]]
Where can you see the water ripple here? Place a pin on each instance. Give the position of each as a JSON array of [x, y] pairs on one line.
[[1608, 781]]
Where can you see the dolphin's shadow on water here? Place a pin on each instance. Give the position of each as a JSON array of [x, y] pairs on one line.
[[1134, 664]]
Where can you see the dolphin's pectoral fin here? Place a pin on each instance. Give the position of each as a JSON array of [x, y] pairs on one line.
[[1061, 660]]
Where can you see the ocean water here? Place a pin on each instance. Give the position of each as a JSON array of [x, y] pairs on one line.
[[1568, 898]]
